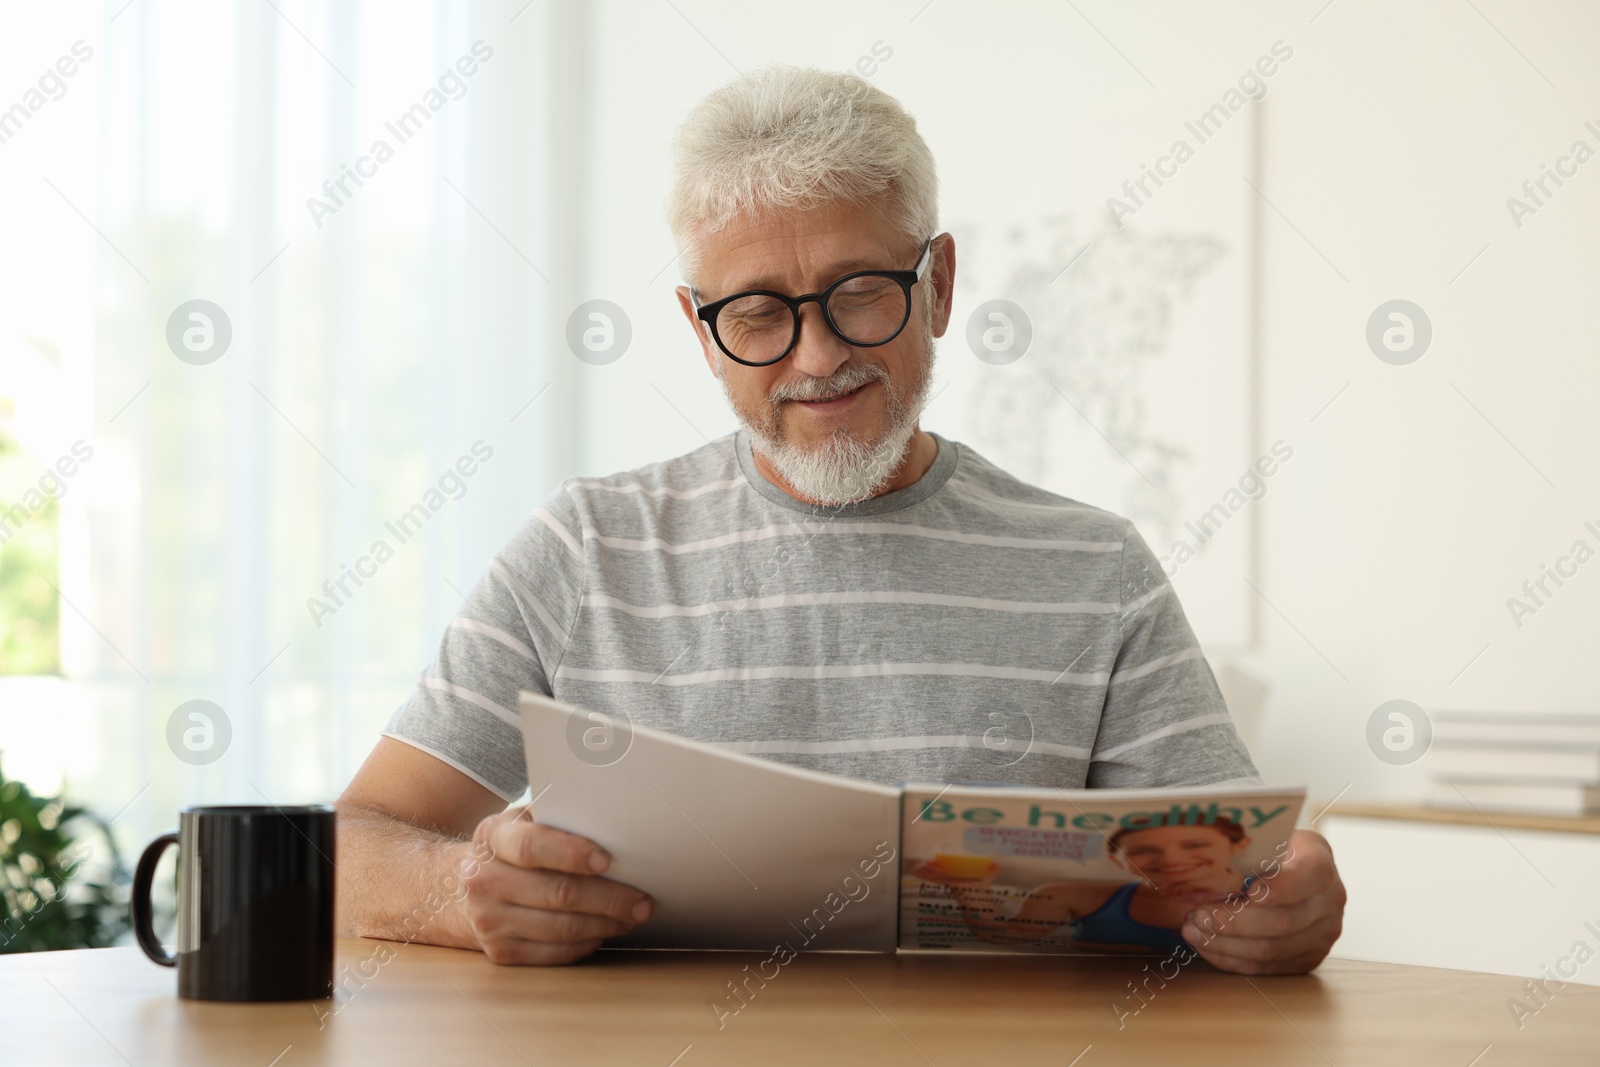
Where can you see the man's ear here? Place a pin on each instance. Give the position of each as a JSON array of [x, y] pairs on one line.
[[942, 272], [702, 332]]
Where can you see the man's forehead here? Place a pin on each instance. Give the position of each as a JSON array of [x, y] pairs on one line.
[[801, 249]]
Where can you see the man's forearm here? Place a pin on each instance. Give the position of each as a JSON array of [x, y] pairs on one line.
[[403, 882]]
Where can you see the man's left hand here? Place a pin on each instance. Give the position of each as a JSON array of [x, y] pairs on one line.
[[1288, 924]]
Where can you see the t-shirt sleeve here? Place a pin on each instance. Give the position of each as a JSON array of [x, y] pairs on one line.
[[1164, 722], [509, 636]]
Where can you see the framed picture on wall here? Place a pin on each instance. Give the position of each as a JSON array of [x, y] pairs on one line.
[[1105, 350]]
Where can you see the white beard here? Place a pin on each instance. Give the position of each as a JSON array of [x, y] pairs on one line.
[[843, 469]]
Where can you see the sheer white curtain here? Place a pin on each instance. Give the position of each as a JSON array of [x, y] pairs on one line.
[[365, 191]]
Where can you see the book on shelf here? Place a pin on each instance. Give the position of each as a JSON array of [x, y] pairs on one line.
[[1523, 798], [740, 852], [1481, 762], [1515, 728]]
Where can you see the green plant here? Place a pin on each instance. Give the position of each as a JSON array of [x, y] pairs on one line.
[[61, 876]]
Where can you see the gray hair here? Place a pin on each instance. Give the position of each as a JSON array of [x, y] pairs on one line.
[[786, 138]]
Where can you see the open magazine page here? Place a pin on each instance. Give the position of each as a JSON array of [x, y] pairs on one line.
[[737, 852], [1013, 869]]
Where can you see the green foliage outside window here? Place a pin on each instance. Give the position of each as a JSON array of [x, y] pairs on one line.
[[30, 611]]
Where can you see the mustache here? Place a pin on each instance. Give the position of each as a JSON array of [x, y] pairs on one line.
[[849, 377]]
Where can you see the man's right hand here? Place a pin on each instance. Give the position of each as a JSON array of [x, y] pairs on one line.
[[539, 898]]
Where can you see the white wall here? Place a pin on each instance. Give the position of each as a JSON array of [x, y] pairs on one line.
[[1395, 546]]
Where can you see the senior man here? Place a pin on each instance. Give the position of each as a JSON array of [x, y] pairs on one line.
[[832, 586]]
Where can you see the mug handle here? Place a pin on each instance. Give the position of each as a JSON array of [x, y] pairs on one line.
[[143, 928]]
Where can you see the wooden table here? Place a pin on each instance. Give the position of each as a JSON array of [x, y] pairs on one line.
[[430, 1005]]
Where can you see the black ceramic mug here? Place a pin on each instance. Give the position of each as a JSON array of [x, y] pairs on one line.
[[255, 902]]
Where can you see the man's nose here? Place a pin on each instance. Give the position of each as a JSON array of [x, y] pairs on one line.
[[818, 351]]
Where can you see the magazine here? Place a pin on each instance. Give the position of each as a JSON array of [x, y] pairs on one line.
[[740, 852], [1089, 870]]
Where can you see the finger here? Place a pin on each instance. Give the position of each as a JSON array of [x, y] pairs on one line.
[[1260, 918], [499, 921], [536, 953], [1306, 871], [559, 891], [516, 839], [1319, 935]]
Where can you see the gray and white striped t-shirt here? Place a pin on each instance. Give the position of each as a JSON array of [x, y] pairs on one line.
[[969, 627]]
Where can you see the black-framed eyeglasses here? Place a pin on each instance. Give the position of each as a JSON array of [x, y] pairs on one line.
[[865, 309]]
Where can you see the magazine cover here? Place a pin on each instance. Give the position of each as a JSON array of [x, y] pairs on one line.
[[1013, 869]]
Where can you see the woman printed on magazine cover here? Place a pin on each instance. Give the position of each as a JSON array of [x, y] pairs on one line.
[[1181, 867]]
